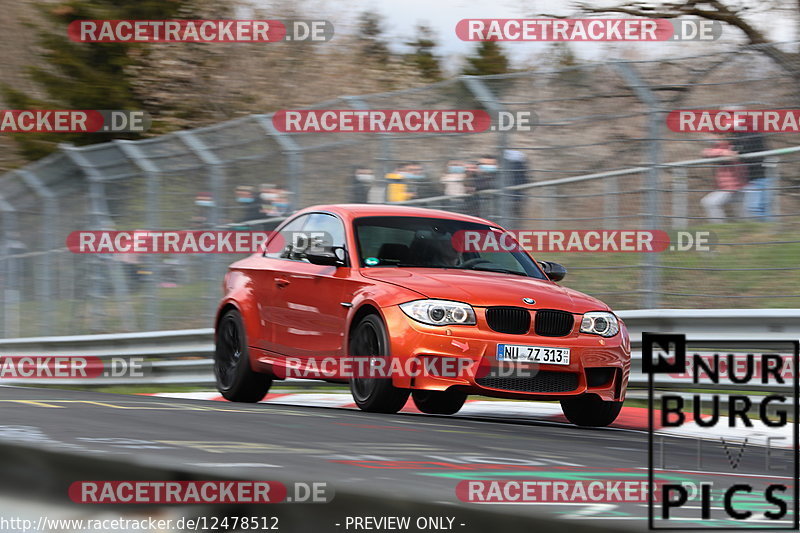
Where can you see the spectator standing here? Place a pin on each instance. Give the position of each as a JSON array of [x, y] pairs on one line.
[[517, 168], [453, 181], [362, 180], [487, 173], [471, 178], [246, 203], [418, 183], [728, 181], [267, 195], [377, 192], [281, 206], [396, 186], [756, 195], [275, 201], [205, 203], [366, 187], [485, 177]]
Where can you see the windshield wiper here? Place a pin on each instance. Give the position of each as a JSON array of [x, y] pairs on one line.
[[499, 269], [409, 265], [456, 267]]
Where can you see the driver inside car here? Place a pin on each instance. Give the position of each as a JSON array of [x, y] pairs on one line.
[[435, 251]]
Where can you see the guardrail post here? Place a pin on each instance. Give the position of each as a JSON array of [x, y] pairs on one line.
[[216, 179], [44, 289], [651, 279], [11, 300], [153, 176], [101, 220], [294, 158]]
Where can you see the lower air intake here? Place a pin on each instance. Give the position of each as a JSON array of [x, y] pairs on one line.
[[544, 381]]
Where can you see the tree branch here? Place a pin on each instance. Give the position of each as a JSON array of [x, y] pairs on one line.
[[719, 12]]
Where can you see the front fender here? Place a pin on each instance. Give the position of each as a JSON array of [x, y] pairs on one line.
[[378, 296]]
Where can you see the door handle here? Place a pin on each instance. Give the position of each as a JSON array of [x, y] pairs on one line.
[[281, 282]]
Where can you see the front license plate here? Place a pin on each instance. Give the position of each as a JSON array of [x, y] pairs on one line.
[[533, 354]]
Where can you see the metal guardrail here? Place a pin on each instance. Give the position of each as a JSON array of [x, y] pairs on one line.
[[184, 357], [177, 357]]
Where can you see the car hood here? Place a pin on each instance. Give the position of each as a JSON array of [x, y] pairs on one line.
[[483, 289]]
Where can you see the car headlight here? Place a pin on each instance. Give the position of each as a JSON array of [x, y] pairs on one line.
[[600, 323], [440, 312]]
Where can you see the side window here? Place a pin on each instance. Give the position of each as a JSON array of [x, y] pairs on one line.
[[286, 236], [326, 230]]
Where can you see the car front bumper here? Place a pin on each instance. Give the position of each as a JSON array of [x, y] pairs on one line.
[[597, 365]]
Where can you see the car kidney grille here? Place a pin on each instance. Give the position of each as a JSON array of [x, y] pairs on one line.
[[513, 320], [544, 381], [550, 323]]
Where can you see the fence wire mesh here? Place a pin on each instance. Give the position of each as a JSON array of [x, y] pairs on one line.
[[600, 157]]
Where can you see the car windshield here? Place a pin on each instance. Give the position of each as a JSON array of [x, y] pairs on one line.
[[428, 243]]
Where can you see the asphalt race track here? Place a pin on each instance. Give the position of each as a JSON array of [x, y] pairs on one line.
[[404, 456]]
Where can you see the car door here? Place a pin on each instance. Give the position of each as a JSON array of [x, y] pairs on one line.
[[275, 264], [309, 308]]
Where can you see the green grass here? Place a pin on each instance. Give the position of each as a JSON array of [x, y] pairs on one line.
[[699, 279], [186, 306]]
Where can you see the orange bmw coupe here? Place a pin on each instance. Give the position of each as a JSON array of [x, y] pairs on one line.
[[380, 297]]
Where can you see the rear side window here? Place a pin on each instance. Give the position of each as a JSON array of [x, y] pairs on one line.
[[328, 229], [293, 226]]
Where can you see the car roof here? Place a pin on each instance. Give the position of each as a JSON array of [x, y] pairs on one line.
[[352, 211]]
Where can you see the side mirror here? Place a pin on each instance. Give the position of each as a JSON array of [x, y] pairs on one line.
[[326, 256], [554, 271]]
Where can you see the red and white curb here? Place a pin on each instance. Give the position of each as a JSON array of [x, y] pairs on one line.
[[634, 418]]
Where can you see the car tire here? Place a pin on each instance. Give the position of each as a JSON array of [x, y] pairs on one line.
[[590, 410], [374, 395], [236, 381], [447, 402]]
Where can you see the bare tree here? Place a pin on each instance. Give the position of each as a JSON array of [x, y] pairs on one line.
[[734, 13]]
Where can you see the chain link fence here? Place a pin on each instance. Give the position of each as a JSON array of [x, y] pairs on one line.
[[600, 157]]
